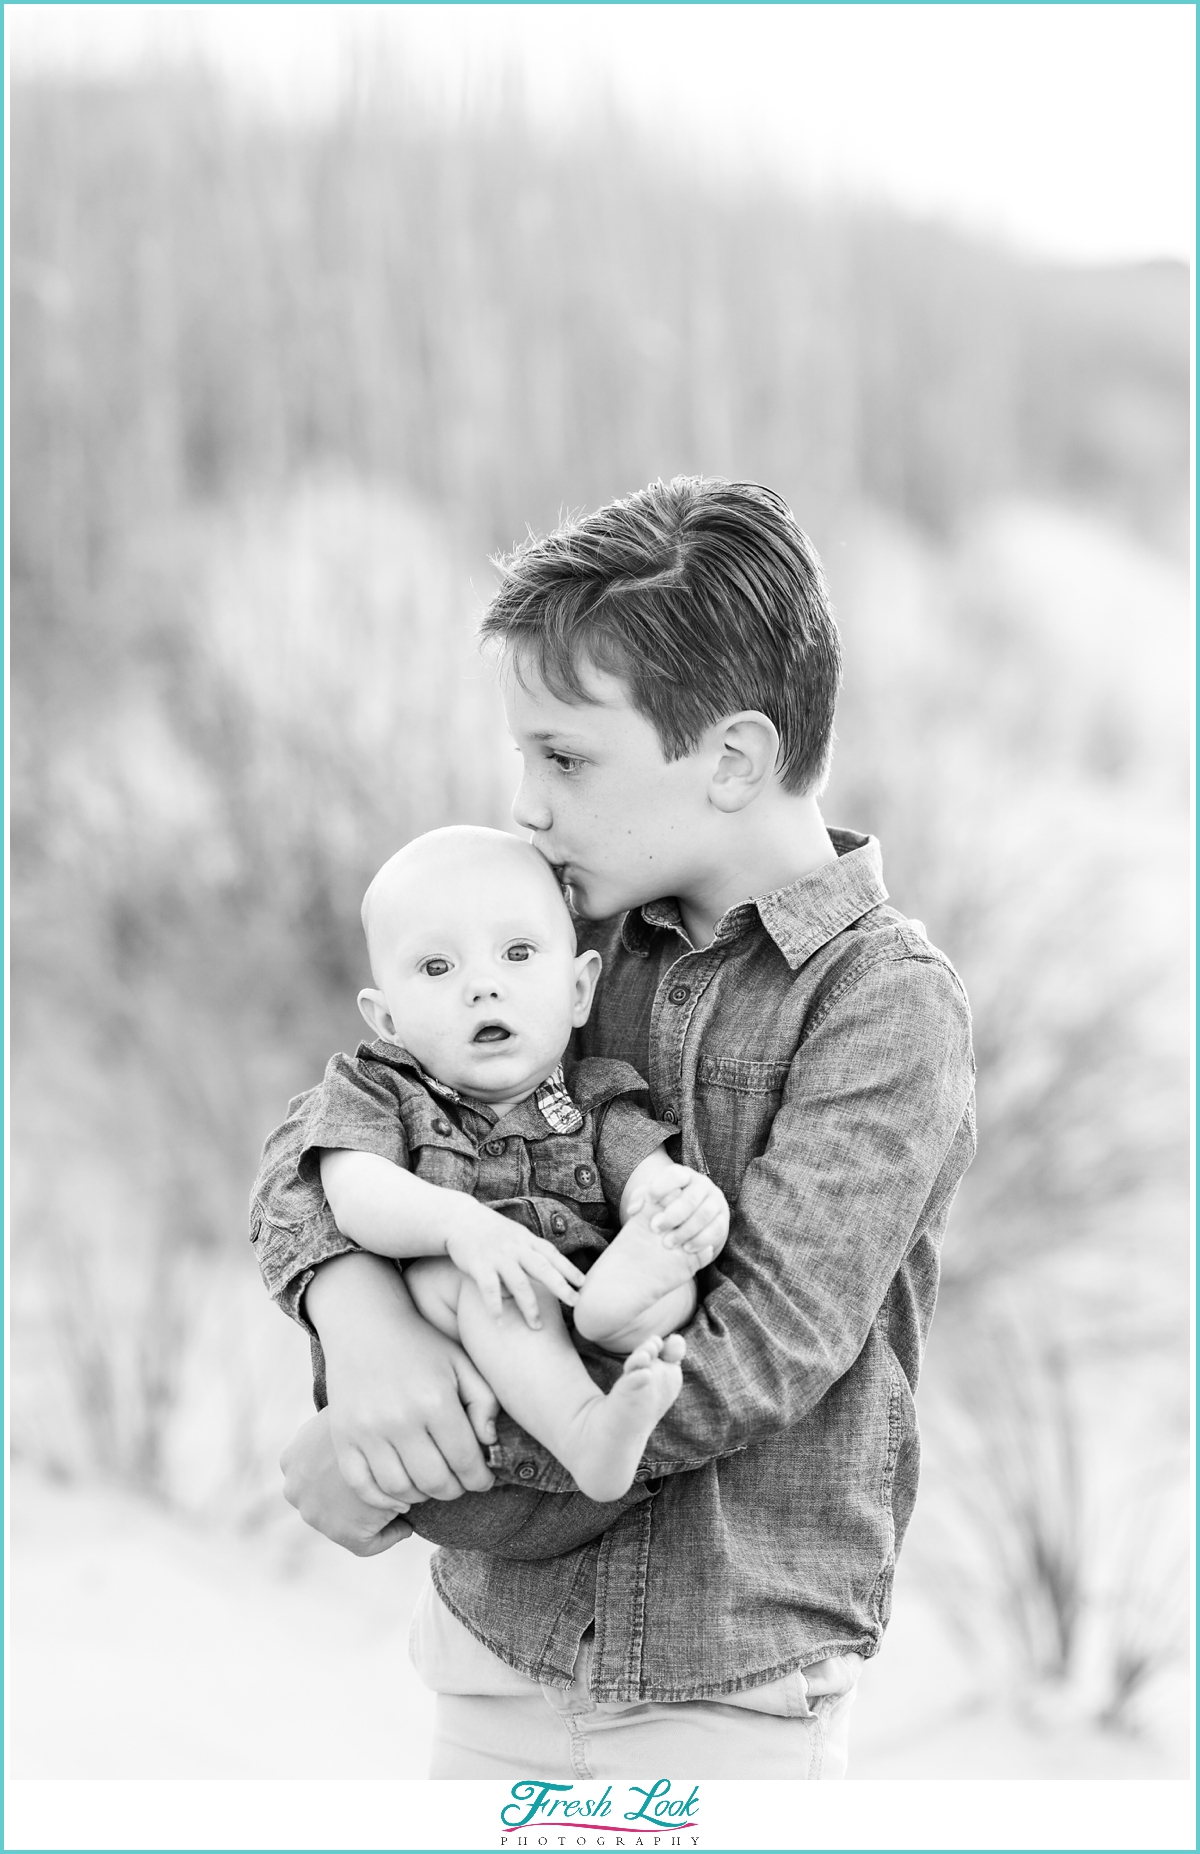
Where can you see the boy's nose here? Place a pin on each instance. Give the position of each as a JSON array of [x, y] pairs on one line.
[[529, 808], [479, 989]]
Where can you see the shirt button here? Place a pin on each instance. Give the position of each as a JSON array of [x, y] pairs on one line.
[[679, 994], [526, 1471], [584, 1175], [495, 1147], [558, 1224], [670, 1116], [442, 1128]]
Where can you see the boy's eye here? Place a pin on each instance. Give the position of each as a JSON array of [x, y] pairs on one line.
[[519, 952], [564, 762], [435, 968]]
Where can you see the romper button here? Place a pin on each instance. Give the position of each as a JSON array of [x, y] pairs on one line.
[[442, 1128], [526, 1471], [670, 1116], [495, 1147], [559, 1226], [584, 1175], [679, 994]]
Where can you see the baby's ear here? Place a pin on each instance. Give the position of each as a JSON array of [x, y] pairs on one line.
[[587, 971], [374, 1008]]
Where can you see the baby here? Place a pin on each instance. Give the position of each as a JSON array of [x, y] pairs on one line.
[[477, 988]]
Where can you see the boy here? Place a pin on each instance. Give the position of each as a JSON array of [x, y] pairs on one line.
[[460, 1101], [670, 668]]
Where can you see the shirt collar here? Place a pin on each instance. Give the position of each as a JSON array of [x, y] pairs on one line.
[[551, 1097], [800, 918]]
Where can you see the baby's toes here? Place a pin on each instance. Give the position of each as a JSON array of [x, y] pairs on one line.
[[645, 1354], [673, 1348]]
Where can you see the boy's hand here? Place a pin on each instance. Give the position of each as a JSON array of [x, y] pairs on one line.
[[313, 1484], [500, 1256], [409, 1413], [687, 1209]]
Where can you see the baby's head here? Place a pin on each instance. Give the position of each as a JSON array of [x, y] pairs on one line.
[[473, 956]]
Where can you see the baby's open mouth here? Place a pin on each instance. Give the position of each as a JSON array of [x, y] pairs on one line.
[[491, 1033]]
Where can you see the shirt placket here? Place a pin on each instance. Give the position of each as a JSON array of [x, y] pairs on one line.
[[503, 1166], [625, 1548], [674, 1014]]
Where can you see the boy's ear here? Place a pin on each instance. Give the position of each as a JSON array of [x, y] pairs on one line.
[[747, 747], [374, 1008], [587, 971]]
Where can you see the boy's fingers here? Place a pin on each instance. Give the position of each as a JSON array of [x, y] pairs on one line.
[[391, 1534], [702, 1218], [562, 1290], [704, 1226], [677, 1179], [490, 1291], [479, 1401], [389, 1474], [540, 1250], [544, 1271], [684, 1205], [518, 1284], [360, 1477]]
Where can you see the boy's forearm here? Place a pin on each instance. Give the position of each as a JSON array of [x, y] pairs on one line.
[[390, 1211], [355, 1299]]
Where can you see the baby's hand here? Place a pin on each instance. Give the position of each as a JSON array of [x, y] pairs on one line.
[[503, 1257], [691, 1212]]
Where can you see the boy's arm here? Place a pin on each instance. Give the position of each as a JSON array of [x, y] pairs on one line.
[[873, 1133], [409, 1409], [392, 1212]]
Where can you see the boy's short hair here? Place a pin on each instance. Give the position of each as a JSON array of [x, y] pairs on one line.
[[704, 597]]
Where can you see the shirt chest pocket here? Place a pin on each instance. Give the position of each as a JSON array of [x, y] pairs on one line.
[[737, 1098], [567, 1168], [438, 1152], [743, 1074]]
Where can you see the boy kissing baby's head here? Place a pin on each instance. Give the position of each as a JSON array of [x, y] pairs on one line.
[[473, 956]]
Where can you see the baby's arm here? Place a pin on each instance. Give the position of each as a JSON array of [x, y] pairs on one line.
[[390, 1211], [674, 1221]]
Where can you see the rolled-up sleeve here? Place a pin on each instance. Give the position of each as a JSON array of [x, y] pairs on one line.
[[627, 1133], [873, 1132], [291, 1225]]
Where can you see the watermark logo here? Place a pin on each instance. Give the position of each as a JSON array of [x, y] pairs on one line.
[[623, 1816]]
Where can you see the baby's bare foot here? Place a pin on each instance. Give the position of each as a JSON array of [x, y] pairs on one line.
[[616, 1428], [639, 1286]]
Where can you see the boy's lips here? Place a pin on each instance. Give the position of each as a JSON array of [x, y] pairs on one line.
[[492, 1033]]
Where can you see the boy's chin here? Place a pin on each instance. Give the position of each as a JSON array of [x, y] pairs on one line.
[[600, 904]]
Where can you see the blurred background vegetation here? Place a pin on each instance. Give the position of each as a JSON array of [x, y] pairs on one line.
[[278, 389]]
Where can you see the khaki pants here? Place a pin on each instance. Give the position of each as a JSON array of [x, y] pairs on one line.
[[542, 1732]]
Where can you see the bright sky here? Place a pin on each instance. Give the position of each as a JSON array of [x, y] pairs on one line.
[[1066, 129]]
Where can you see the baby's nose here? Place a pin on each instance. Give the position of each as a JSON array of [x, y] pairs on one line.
[[480, 987]]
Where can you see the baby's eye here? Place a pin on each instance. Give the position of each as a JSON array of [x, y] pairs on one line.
[[564, 762], [520, 951], [435, 968]]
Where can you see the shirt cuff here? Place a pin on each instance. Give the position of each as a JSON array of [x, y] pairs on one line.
[[289, 1259], [626, 1135]]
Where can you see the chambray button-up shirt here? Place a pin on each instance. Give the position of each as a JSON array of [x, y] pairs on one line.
[[556, 1162], [817, 1056]]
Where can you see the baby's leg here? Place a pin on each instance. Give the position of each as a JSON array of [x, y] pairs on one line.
[[636, 1289], [541, 1381], [434, 1284]]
